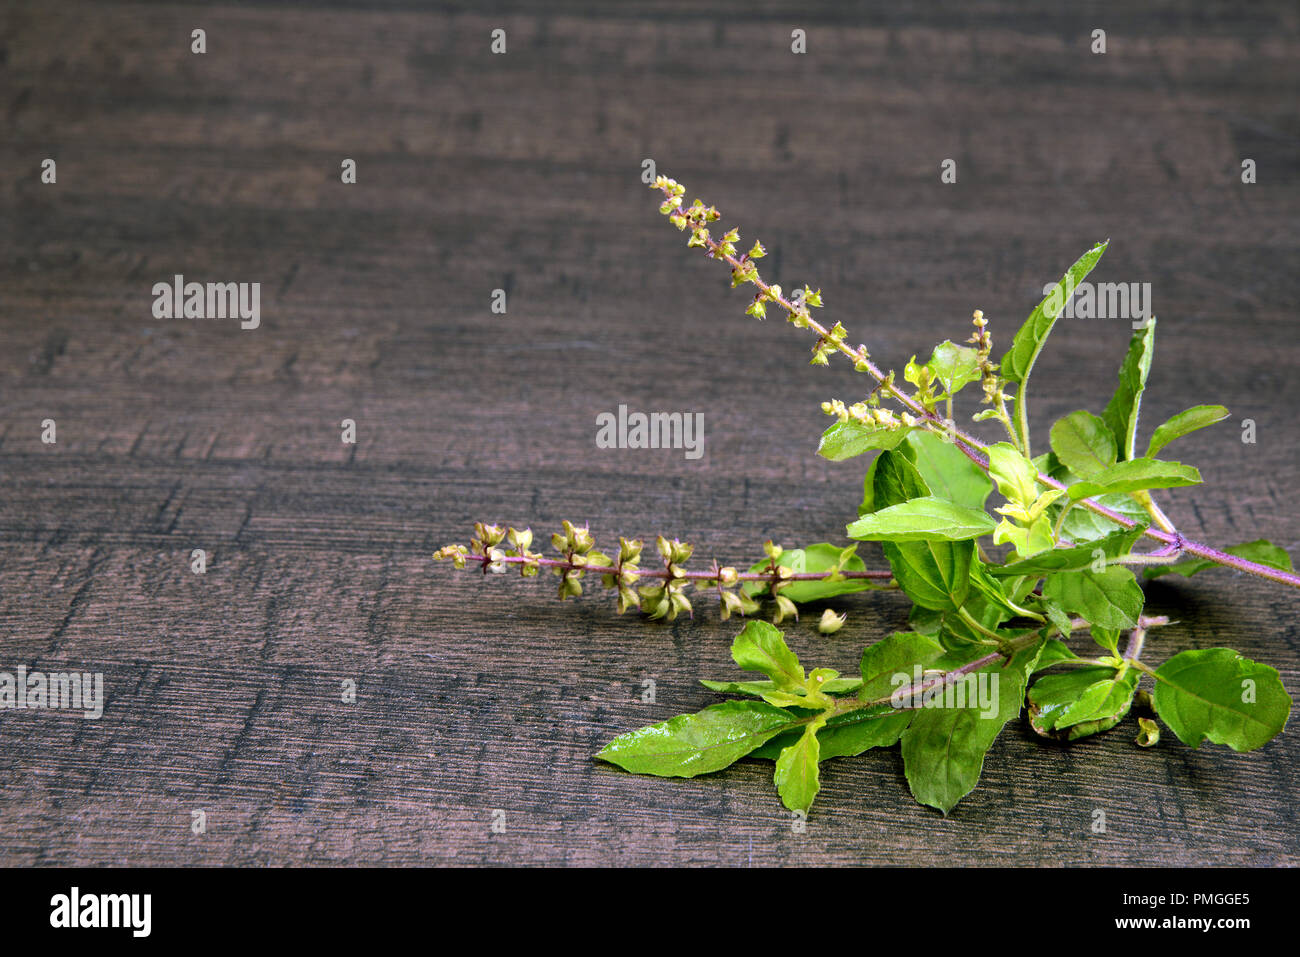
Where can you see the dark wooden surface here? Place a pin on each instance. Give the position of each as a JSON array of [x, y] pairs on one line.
[[522, 171]]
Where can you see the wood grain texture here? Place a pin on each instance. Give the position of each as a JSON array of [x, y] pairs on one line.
[[522, 172]]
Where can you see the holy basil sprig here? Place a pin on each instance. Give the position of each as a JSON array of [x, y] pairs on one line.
[[905, 696], [1005, 555]]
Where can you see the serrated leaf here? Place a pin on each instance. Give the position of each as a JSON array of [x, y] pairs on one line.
[[921, 519], [953, 365], [760, 646], [692, 744], [796, 776], [1134, 476], [1111, 598], [844, 440], [943, 748], [1083, 443], [1189, 420], [1121, 413], [1029, 340], [1261, 551], [1217, 694]]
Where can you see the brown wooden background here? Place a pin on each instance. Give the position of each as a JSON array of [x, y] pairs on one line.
[[521, 171]]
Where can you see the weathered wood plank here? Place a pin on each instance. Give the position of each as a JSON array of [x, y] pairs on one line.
[[521, 172]]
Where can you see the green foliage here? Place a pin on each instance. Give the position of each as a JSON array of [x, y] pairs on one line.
[[1072, 517], [1197, 417], [1001, 593], [1083, 443], [846, 440], [1121, 413], [1028, 343], [1082, 701], [1110, 598], [921, 519], [692, 744], [1217, 694], [1135, 475]]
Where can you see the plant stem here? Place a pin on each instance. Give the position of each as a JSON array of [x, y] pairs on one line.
[[561, 563], [971, 446], [1022, 416], [1136, 639], [1157, 515]]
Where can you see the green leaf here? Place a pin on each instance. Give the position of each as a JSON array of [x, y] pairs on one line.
[[815, 558], [1054, 652], [1057, 617], [850, 740], [955, 366], [1108, 638], [947, 472], [920, 519], [1083, 443], [1028, 343], [993, 593], [1215, 693], [1028, 541], [1082, 525], [868, 503], [924, 620], [1073, 558], [943, 748], [844, 440], [846, 735], [1135, 476], [1260, 551], [761, 647], [1081, 702], [896, 480], [796, 771], [1121, 413], [1015, 475], [934, 574], [1189, 420], [850, 734], [692, 744], [900, 653], [1110, 599]]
